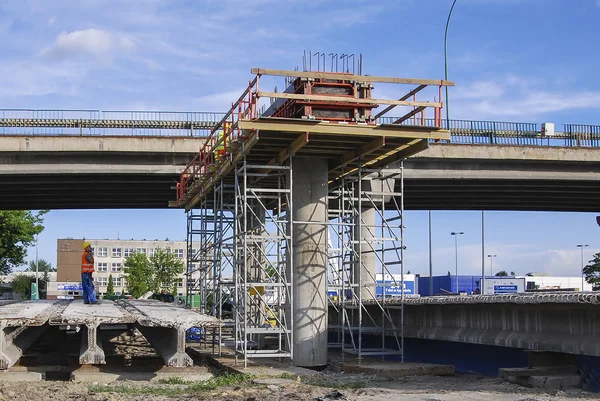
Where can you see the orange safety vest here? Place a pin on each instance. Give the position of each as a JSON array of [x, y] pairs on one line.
[[86, 267]]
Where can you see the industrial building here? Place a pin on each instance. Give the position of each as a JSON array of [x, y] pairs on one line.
[[110, 255], [470, 284]]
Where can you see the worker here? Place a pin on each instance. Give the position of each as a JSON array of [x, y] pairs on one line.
[[223, 141], [87, 268]]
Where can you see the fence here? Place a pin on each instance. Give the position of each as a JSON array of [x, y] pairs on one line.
[[172, 123]]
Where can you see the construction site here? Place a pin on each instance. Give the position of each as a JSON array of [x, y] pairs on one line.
[[295, 249]]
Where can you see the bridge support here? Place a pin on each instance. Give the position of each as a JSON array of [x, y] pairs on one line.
[[15, 340], [92, 352], [309, 270], [169, 342]]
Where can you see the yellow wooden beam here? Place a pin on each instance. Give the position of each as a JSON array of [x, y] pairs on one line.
[[326, 128], [350, 77], [344, 99]]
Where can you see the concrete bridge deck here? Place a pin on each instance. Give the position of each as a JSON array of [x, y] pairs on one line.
[[558, 322], [39, 172], [163, 325]]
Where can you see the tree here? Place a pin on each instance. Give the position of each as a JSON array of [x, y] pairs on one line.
[[502, 273], [139, 274], [513, 273], [110, 288], [18, 229], [43, 266], [592, 272], [166, 267], [21, 284]]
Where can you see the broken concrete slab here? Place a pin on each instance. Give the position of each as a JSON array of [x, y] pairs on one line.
[[92, 316], [21, 324], [164, 325], [8, 376], [106, 375]]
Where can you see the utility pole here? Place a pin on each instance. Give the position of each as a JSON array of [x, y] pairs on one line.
[[492, 264], [582, 276], [456, 234]]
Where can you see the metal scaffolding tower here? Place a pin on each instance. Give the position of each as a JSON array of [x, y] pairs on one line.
[[262, 270], [366, 262]]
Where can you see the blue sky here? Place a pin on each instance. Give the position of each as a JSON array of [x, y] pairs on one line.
[[512, 60]]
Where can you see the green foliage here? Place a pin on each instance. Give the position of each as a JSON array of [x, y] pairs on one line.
[[18, 229], [502, 273], [139, 275], [513, 273], [110, 288], [592, 272], [43, 266], [176, 386], [166, 267], [161, 271], [21, 284]]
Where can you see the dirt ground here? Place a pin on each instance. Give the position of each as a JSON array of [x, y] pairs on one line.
[[349, 387]]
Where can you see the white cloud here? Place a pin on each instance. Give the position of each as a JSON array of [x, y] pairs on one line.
[[51, 21], [517, 97], [87, 42]]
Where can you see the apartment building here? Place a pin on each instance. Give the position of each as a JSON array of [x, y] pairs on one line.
[[110, 255]]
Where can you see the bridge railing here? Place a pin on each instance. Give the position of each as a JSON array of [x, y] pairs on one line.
[[512, 133], [174, 123], [582, 135], [107, 122]]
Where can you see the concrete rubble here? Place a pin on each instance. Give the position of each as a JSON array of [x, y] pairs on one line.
[[163, 325]]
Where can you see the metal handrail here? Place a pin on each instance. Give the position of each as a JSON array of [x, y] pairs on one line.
[[202, 124]]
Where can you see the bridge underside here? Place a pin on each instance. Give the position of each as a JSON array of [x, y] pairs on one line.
[[149, 191]]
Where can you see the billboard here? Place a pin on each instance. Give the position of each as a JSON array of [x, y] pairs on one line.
[[391, 285], [69, 287], [503, 285]]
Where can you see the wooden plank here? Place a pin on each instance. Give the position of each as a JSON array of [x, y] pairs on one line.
[[325, 128], [350, 77], [409, 115], [405, 97], [364, 150], [290, 150], [398, 153], [401, 153], [223, 170], [353, 100]]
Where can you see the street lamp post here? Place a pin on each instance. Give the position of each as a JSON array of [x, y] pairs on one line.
[[492, 264], [582, 276], [446, 63], [456, 234]]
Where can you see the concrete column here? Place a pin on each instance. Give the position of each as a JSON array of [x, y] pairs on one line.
[[365, 268], [15, 340], [309, 270], [92, 352], [169, 342]]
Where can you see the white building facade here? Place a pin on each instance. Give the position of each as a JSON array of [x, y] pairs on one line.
[[110, 255]]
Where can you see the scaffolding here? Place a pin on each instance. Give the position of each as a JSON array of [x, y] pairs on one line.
[[238, 195], [366, 262], [262, 272]]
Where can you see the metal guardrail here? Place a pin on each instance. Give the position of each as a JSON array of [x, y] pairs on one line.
[[172, 123], [526, 298], [514, 133], [109, 123]]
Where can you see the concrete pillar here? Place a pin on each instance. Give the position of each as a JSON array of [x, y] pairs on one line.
[[374, 193], [365, 268], [14, 340], [92, 352], [309, 270], [169, 342]]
